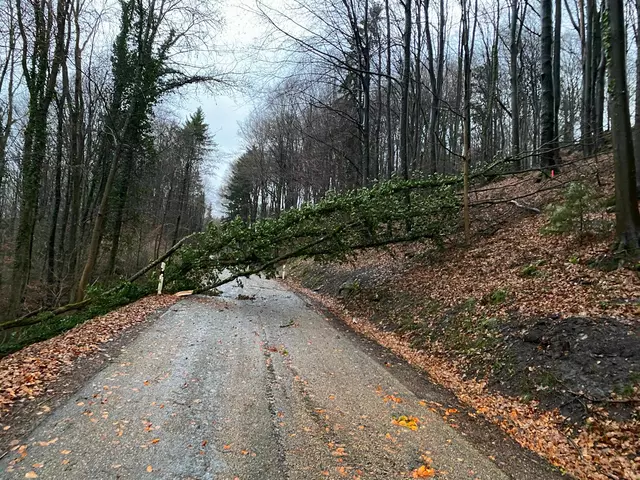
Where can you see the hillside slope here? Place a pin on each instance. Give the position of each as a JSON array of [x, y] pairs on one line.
[[540, 333]]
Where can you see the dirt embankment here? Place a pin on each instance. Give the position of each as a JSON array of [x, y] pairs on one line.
[[528, 321]]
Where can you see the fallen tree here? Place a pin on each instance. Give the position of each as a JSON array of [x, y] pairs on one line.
[[389, 212]]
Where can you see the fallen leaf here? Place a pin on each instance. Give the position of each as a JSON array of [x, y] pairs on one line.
[[423, 472], [408, 422], [31, 474]]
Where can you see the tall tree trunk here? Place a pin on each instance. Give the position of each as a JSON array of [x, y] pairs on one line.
[[417, 103], [76, 125], [41, 73], [636, 126], [120, 205], [435, 79], [57, 192], [8, 72], [454, 139], [556, 72], [466, 120], [390, 162], [547, 147], [515, 91], [406, 77], [98, 227], [627, 215], [587, 75], [598, 72], [183, 198], [366, 93], [489, 131]]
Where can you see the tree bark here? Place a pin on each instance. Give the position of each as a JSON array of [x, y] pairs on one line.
[[627, 215], [466, 121], [98, 227], [41, 73], [390, 162], [636, 127], [57, 192], [406, 77], [547, 127], [77, 146], [515, 91], [556, 72]]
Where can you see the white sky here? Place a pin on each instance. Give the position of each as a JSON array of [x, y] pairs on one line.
[[226, 109]]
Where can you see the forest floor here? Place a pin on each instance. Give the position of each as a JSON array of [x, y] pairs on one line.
[[539, 333]]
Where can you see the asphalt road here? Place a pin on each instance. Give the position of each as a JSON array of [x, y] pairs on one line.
[[262, 388]]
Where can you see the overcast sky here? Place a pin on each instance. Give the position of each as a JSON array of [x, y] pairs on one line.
[[226, 109]]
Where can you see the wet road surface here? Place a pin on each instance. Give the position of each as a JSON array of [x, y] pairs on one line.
[[259, 388]]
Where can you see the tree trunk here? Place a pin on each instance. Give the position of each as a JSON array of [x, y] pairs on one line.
[[466, 121], [636, 127], [390, 162], [121, 201], [547, 147], [515, 92], [98, 227], [76, 125], [184, 194], [556, 73], [34, 153], [587, 69], [406, 76], [41, 73], [627, 215], [51, 249], [436, 79]]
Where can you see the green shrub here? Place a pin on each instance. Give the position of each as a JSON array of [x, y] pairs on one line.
[[578, 213], [496, 297], [532, 269]]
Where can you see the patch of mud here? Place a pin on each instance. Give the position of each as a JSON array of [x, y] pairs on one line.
[[570, 362]]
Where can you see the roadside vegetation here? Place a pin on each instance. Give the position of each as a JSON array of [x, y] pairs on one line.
[[534, 324]]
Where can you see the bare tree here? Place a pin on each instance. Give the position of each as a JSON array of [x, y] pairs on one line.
[[40, 27]]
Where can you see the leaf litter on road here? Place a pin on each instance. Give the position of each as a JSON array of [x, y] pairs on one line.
[[606, 447], [27, 374]]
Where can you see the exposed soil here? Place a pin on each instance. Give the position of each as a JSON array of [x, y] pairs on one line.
[[575, 361]]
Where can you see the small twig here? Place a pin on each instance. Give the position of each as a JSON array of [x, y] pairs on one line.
[[290, 324], [575, 445]]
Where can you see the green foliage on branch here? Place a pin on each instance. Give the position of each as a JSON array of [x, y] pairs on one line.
[[579, 212], [389, 212]]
